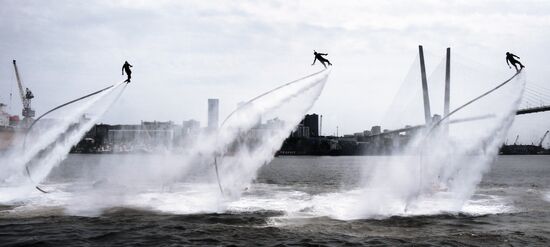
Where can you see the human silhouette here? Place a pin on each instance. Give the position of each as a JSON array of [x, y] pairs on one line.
[[319, 56], [511, 59], [126, 68]]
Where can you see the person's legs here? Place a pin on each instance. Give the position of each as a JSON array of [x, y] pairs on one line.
[[129, 77], [515, 65], [323, 62]]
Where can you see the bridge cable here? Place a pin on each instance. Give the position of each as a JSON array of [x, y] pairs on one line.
[[539, 87], [538, 94], [434, 126]]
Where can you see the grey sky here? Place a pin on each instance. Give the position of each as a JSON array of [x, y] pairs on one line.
[[184, 52]]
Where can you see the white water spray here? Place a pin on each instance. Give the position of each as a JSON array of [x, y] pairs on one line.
[[49, 142], [439, 172], [253, 146], [185, 181]]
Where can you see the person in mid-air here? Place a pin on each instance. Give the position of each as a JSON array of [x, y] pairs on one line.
[[319, 56], [511, 59], [126, 68]]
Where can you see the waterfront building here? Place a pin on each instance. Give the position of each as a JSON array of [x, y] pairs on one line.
[[376, 130], [312, 122], [190, 126], [213, 114], [4, 116], [301, 131]]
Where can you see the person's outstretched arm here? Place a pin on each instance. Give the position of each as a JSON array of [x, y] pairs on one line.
[[122, 69], [507, 62], [515, 56], [314, 59], [323, 54]]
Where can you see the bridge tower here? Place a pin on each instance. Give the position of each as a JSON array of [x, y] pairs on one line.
[[447, 100], [427, 111]]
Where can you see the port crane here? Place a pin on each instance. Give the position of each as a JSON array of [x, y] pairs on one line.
[[542, 139], [26, 97]]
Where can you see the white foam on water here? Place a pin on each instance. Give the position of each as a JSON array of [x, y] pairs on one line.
[[178, 199], [488, 204], [546, 196], [296, 206], [82, 200], [344, 206], [263, 197], [35, 202]]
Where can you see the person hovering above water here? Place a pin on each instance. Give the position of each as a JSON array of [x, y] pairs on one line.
[[126, 68], [319, 56], [511, 59]]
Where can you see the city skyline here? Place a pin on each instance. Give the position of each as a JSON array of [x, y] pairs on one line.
[[188, 52]]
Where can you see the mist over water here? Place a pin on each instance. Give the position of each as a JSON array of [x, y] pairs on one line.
[[177, 181], [433, 183], [286, 108], [438, 170], [49, 142]]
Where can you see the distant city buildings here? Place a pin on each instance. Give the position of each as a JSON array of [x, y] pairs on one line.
[[376, 130], [304, 140], [312, 122], [308, 127], [213, 114], [143, 137], [7, 120], [4, 116], [190, 126], [301, 131]]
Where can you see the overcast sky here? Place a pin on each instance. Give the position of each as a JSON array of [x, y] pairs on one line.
[[185, 52]]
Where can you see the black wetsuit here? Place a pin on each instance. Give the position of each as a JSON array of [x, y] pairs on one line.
[[319, 56], [126, 68], [511, 59]]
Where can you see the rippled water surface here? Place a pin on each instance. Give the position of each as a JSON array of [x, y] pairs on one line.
[[294, 201]]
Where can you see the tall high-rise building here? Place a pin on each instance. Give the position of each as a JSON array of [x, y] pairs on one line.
[[213, 113], [312, 122]]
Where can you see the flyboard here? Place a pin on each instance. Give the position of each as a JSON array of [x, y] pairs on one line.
[[57, 108], [220, 154], [445, 118]]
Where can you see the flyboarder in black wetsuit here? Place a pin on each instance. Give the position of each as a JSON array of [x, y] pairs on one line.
[[511, 59], [319, 56], [126, 68]]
